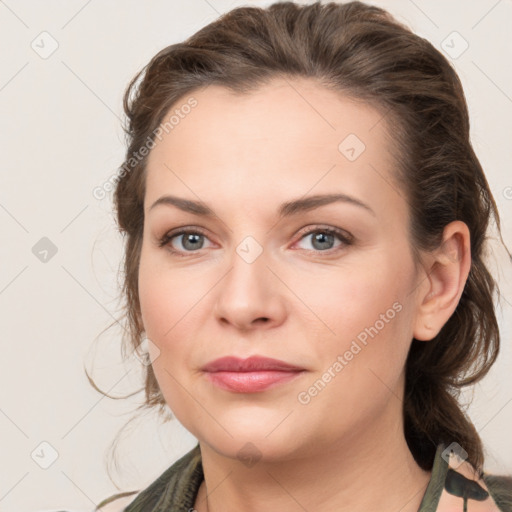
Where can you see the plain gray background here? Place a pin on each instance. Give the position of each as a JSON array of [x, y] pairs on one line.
[[60, 100]]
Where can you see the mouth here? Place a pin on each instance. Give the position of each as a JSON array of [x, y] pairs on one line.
[[250, 375]]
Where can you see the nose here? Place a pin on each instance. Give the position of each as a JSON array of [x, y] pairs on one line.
[[250, 296]]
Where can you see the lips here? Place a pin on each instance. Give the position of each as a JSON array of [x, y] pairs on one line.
[[252, 364], [250, 375]]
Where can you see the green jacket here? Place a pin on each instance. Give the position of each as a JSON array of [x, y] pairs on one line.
[[175, 490]]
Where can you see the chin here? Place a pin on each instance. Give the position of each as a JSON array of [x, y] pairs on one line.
[[250, 450], [250, 442]]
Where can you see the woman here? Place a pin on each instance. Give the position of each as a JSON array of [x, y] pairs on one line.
[[305, 221]]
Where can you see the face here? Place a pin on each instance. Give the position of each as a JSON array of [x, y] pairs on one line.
[[326, 287]]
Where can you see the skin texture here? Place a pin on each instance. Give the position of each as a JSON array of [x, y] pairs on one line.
[[301, 302]]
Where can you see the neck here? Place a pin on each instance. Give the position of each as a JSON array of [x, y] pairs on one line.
[[373, 470]]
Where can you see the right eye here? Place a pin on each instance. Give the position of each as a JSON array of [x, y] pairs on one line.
[[190, 240]]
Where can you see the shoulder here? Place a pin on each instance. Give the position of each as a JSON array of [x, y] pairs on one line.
[[500, 488], [482, 492], [117, 502], [179, 483]]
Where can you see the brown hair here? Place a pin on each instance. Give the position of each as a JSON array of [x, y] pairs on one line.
[[360, 51]]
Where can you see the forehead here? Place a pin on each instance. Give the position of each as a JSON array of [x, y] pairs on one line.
[[287, 135], [284, 110]]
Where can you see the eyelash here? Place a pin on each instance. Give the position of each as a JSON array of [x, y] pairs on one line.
[[343, 236]]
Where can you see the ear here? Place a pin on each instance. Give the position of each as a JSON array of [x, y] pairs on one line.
[[447, 269]]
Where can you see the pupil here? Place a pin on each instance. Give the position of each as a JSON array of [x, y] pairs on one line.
[[191, 238], [323, 238]]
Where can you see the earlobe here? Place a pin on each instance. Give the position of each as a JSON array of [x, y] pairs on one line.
[[447, 271]]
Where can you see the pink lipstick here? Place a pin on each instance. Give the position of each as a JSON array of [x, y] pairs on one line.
[[249, 375]]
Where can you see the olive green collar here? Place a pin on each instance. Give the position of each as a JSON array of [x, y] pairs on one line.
[[177, 488], [435, 487]]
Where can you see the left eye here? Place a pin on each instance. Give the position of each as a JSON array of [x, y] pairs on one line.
[[323, 239]]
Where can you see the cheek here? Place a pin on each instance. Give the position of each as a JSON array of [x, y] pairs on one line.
[[155, 304], [163, 309], [360, 370], [349, 302], [366, 319], [165, 296], [170, 302]]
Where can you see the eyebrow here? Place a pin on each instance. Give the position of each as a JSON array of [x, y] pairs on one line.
[[286, 209]]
